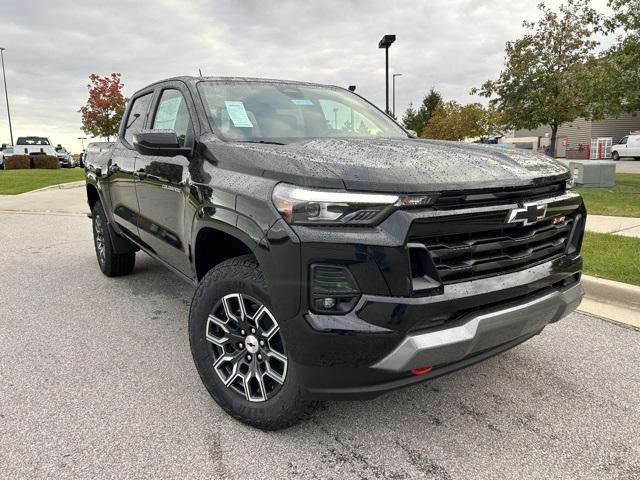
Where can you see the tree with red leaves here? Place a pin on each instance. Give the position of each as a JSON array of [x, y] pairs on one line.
[[104, 109]]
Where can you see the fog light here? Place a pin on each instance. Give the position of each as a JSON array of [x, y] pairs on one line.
[[332, 289], [329, 303]]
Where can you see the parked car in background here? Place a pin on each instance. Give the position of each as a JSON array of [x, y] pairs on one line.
[[64, 156], [5, 152], [628, 146], [34, 146]]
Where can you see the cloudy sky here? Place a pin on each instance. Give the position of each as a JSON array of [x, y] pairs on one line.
[[52, 48]]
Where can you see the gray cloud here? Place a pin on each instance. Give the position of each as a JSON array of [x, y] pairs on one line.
[[51, 49]]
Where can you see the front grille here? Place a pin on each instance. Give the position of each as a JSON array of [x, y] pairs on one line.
[[468, 199], [487, 248]]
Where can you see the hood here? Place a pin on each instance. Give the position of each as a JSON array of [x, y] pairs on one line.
[[389, 165]]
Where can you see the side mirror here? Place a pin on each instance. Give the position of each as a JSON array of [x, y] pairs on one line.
[[161, 143], [412, 133]]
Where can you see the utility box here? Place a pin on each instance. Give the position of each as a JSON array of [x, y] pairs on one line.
[[593, 173]]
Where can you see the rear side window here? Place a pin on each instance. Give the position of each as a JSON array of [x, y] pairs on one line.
[[137, 116], [172, 114]]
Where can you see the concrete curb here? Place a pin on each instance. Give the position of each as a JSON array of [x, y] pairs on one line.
[[609, 291], [611, 300], [60, 186]]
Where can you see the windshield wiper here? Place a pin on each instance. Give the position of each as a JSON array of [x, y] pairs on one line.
[[268, 142]]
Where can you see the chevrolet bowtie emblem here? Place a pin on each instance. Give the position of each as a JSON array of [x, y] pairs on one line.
[[528, 214]]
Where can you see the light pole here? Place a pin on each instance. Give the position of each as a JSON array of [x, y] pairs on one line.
[[394, 91], [82, 139], [385, 43], [6, 95]]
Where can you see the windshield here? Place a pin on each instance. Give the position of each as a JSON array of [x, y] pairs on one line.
[[282, 112], [32, 141]]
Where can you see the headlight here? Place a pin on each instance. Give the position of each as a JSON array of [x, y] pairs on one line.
[[310, 206]]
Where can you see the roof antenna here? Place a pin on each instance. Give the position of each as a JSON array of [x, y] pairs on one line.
[[200, 73]]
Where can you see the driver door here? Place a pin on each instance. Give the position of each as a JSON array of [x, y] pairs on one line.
[[162, 183]]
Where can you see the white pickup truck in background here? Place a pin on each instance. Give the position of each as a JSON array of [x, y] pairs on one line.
[[34, 146]]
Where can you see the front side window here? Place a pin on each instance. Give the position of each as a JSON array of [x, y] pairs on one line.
[[282, 112], [137, 116], [172, 114], [623, 140]]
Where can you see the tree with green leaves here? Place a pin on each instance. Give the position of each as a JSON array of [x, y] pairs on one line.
[[410, 118], [615, 75], [543, 81], [417, 119], [453, 121]]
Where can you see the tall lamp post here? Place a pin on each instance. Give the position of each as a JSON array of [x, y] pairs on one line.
[[385, 43], [82, 139], [6, 95], [394, 91]]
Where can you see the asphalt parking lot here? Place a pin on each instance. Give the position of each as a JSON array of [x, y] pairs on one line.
[[96, 381]]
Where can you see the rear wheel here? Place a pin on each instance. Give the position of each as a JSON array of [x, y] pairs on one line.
[[239, 348], [111, 263]]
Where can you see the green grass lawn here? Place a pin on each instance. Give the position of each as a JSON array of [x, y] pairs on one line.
[[13, 182], [612, 256], [622, 200]]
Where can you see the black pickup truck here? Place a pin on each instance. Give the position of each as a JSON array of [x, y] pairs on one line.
[[334, 256]]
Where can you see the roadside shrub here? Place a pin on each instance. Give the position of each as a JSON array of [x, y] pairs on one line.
[[45, 161], [16, 162]]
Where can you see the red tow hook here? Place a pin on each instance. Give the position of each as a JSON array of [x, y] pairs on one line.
[[421, 371]]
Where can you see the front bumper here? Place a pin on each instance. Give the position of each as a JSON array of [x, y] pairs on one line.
[[470, 340], [478, 332]]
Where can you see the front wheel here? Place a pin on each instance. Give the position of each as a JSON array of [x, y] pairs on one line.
[[615, 156], [239, 348]]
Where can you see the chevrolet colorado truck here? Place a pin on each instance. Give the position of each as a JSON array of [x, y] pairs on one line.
[[333, 256]]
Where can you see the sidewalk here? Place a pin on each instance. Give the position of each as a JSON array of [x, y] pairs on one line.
[[68, 198], [627, 226]]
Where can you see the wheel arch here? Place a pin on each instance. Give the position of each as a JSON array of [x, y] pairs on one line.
[[93, 196], [215, 243]]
